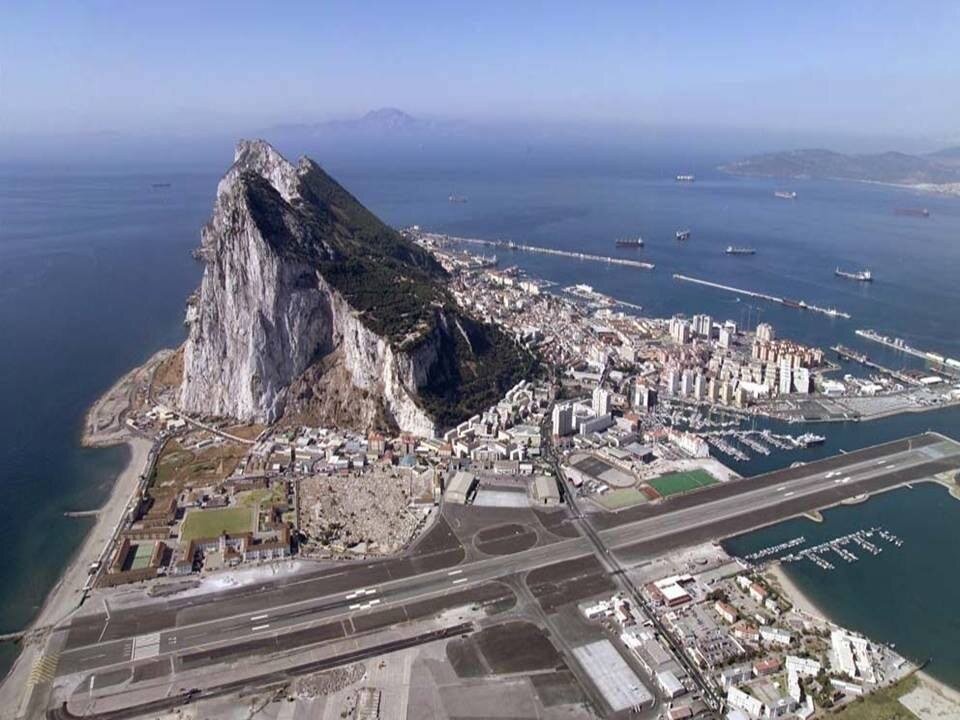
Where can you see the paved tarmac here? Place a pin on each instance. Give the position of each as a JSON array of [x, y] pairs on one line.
[[280, 614]]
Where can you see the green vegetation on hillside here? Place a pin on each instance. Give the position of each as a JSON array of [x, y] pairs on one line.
[[478, 363], [397, 287]]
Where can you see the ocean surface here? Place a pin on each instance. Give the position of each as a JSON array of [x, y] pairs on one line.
[[905, 595], [95, 268]]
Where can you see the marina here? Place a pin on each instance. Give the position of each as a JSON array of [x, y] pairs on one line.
[[866, 542], [798, 304]]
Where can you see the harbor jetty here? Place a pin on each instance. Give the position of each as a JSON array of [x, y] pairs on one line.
[[510, 245], [797, 304]]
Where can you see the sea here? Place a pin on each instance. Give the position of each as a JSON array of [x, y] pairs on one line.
[[95, 268]]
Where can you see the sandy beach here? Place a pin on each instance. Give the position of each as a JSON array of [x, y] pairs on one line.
[[948, 700], [63, 599], [800, 601]]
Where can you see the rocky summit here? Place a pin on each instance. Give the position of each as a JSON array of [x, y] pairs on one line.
[[311, 308]]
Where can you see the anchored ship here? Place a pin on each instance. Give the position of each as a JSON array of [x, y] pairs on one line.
[[683, 234], [685, 178], [457, 199], [630, 243], [861, 275], [731, 250], [785, 194]]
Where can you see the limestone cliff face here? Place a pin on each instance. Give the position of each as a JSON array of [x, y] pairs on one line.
[[266, 316]]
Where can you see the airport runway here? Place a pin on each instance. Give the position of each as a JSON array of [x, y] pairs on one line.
[[300, 610]]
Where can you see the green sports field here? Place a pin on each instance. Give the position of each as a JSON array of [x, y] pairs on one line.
[[210, 523], [679, 482]]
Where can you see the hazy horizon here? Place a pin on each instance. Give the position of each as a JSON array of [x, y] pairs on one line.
[[743, 78]]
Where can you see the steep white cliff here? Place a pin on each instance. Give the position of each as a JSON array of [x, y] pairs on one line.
[[265, 315]]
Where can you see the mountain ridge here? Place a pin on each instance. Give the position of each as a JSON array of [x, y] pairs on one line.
[[310, 305], [894, 167]]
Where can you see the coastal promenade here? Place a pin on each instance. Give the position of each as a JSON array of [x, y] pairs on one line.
[[204, 639]]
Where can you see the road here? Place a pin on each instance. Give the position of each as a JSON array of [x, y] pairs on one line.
[[286, 612]]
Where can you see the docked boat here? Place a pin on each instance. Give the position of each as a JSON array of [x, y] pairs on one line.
[[733, 250], [631, 243], [683, 234], [860, 275]]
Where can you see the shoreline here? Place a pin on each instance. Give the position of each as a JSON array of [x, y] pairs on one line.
[[63, 598], [802, 603], [798, 599]]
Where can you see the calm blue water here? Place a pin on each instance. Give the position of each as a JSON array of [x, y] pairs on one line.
[[906, 595], [95, 268]]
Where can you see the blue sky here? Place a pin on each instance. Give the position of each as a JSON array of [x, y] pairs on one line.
[[131, 67]]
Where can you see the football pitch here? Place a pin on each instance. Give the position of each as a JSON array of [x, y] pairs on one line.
[[679, 482]]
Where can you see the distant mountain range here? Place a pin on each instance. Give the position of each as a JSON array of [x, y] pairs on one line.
[[936, 168], [383, 122]]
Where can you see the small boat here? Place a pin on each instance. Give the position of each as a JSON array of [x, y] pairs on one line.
[[859, 275]]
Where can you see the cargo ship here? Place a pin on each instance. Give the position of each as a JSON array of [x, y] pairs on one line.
[[861, 275], [629, 243], [914, 212], [683, 235], [785, 194], [731, 250], [685, 178]]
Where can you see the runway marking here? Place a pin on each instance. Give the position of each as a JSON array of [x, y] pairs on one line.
[[258, 628], [360, 593], [355, 606], [846, 480], [44, 669], [781, 488], [259, 617], [455, 572], [460, 580], [146, 646], [789, 494]]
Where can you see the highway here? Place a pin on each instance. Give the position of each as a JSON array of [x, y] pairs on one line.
[[298, 611]]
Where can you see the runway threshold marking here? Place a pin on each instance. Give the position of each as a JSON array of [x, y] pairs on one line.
[[146, 646], [44, 669]]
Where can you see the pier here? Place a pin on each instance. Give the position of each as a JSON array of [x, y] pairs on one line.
[[797, 304], [861, 358], [949, 365], [509, 245]]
